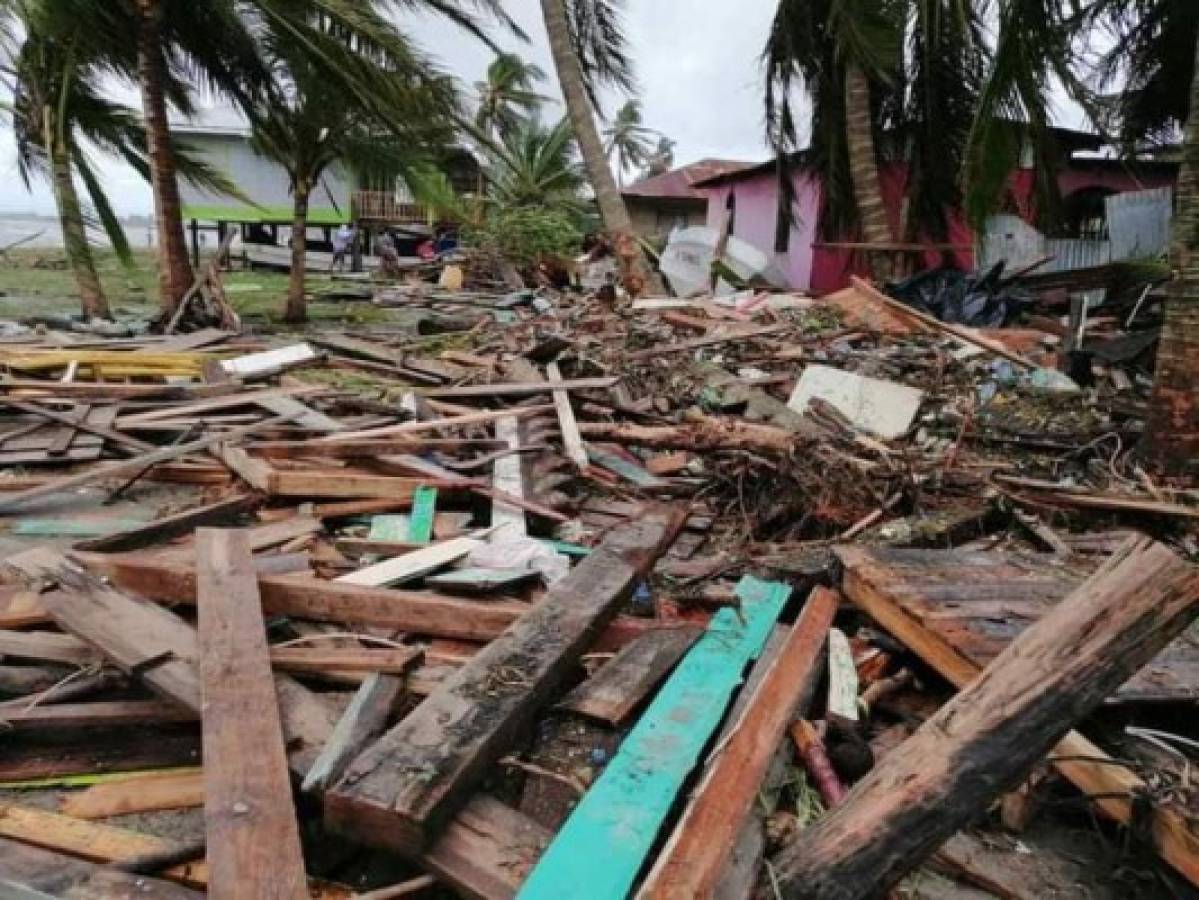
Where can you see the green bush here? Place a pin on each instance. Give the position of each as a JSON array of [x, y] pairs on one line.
[[523, 235]]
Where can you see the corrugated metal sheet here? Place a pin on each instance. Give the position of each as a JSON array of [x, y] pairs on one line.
[[1139, 223], [1011, 240]]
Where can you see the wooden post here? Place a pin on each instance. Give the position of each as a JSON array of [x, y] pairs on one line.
[[195, 230], [992, 733], [253, 842]]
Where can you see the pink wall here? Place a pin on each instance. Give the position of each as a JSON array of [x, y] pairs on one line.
[[821, 270], [757, 215]]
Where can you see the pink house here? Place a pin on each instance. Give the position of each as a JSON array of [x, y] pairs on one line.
[[752, 197]]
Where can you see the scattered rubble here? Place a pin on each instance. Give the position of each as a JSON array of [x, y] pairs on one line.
[[537, 592]]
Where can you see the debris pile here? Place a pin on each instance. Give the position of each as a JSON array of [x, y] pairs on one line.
[[549, 590]]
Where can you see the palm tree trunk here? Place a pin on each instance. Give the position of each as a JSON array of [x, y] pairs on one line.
[[297, 307], [74, 232], [1172, 428], [607, 195], [175, 275], [863, 168]]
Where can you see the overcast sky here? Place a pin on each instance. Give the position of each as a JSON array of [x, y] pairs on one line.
[[698, 67]]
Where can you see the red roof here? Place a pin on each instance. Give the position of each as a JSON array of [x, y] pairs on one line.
[[679, 184]]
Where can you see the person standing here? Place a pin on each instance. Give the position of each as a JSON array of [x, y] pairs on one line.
[[343, 240]]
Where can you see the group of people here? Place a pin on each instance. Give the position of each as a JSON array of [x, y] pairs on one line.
[[344, 238]]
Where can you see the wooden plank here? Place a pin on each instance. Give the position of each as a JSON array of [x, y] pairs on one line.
[[136, 636], [333, 484], [573, 442], [132, 466], [988, 737], [1172, 833], [47, 646], [364, 720], [507, 479], [387, 660], [518, 389], [253, 843], [629, 471], [608, 836], [622, 683], [694, 859], [31, 873], [487, 850], [302, 415], [236, 400], [90, 840], [269, 362], [161, 648], [305, 597], [109, 714], [412, 565], [411, 782], [152, 793]]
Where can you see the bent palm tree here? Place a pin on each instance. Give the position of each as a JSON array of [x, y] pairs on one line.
[[150, 41], [314, 125], [588, 50], [628, 139]]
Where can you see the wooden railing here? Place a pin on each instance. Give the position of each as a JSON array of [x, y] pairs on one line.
[[382, 206]]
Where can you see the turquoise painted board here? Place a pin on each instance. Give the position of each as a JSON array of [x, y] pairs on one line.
[[424, 508], [603, 845], [390, 528]]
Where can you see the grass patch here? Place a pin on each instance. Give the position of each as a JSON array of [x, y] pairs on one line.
[[37, 282]]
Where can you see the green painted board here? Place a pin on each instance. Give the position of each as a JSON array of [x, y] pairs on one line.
[[607, 838], [390, 528], [76, 528], [424, 508]]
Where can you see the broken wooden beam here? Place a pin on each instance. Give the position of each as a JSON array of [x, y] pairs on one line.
[[405, 788], [253, 842], [625, 681], [996, 729], [364, 720], [694, 859], [607, 838]]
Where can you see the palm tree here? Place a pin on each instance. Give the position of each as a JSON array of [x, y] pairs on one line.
[[1172, 429], [628, 139], [588, 49], [316, 126], [538, 166], [661, 160], [214, 42], [918, 82], [56, 99], [509, 94]]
